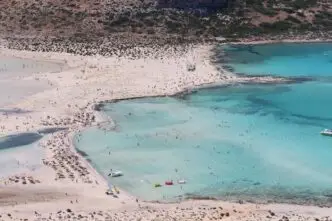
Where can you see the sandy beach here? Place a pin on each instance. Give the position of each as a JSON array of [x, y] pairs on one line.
[[65, 186]]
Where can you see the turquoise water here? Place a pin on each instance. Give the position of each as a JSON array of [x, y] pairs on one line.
[[249, 142], [314, 60]]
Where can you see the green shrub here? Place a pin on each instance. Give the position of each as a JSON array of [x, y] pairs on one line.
[[300, 14], [305, 26], [266, 11], [293, 19], [122, 19], [279, 26], [303, 4], [289, 10], [172, 25], [151, 31]]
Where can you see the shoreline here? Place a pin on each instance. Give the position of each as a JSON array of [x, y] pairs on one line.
[[67, 81], [279, 41], [246, 80]]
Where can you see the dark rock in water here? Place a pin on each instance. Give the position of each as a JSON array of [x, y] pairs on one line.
[[228, 68], [21, 139], [300, 79], [98, 107], [82, 153], [184, 95], [328, 195], [250, 49]]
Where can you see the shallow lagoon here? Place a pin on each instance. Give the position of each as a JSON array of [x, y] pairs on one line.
[[20, 153], [249, 142]]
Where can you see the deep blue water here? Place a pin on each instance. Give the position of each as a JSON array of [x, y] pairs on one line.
[[251, 142], [292, 59]]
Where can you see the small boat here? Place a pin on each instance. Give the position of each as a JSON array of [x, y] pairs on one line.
[[115, 173], [157, 185], [182, 181], [169, 183], [326, 132]]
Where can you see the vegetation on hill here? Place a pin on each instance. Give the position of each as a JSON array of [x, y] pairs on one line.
[[201, 19]]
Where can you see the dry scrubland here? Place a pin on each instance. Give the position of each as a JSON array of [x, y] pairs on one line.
[[162, 21]]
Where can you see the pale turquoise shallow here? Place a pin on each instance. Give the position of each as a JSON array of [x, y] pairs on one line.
[[19, 154], [249, 142]]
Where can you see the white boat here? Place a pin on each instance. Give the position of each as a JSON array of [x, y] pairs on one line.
[[115, 173], [182, 181], [326, 132]]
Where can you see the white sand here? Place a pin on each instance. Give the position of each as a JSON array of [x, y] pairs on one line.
[[86, 81]]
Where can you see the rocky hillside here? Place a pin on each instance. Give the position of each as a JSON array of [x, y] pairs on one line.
[[210, 5], [192, 19]]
